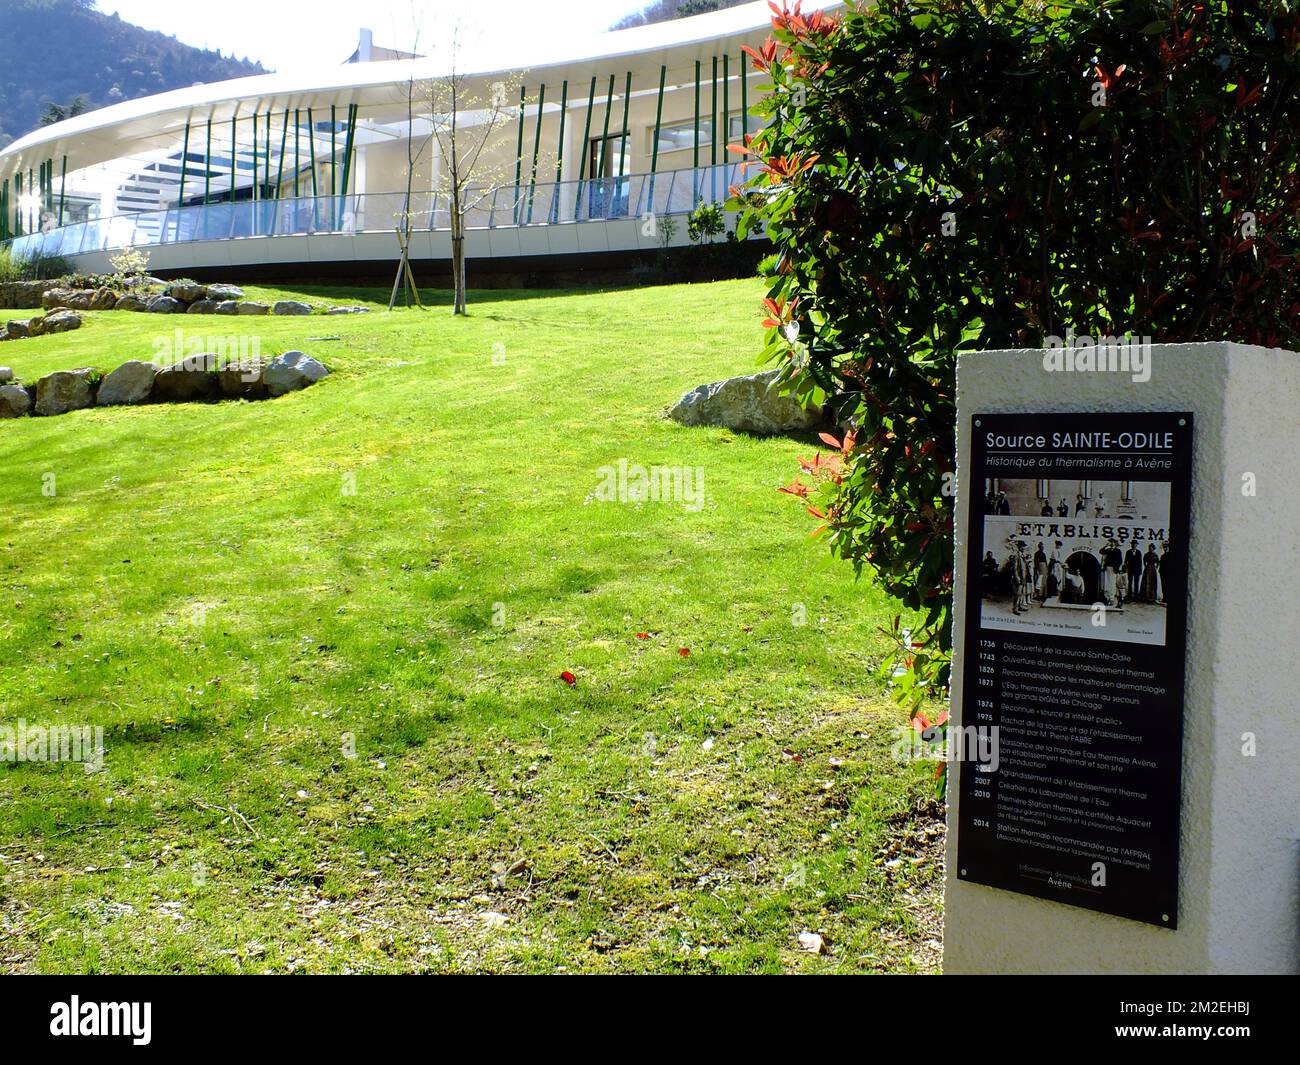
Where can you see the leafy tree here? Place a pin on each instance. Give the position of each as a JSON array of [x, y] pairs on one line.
[[943, 176]]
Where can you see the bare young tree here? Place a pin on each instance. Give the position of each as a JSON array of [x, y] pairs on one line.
[[469, 126]]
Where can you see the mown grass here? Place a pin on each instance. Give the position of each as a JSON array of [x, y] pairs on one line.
[[337, 737]]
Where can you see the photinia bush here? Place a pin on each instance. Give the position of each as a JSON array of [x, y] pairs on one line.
[[946, 175]]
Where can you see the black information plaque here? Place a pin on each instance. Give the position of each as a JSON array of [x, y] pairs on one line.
[[1076, 632]]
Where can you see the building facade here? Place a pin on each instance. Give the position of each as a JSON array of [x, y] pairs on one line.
[[581, 154]]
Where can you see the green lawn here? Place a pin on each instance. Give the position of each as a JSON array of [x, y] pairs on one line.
[[203, 586]]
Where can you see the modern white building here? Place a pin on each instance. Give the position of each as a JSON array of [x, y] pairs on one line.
[[311, 168]]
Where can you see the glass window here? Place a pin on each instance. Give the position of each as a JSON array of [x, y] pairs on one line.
[[681, 135]]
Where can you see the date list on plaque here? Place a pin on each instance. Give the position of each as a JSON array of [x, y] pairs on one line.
[[1075, 647]]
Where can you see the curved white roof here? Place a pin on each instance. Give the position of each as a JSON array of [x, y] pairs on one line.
[[157, 122]]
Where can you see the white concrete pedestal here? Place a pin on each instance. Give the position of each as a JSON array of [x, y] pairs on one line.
[[1239, 888]]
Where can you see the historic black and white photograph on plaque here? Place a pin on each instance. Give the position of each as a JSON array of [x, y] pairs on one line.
[[1057, 551]]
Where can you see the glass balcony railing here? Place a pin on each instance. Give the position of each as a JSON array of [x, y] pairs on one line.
[[548, 203]]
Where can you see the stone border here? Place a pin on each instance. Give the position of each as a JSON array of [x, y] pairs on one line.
[[176, 297], [199, 378]]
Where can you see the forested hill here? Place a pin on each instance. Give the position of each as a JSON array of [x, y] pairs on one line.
[[63, 57], [663, 10]]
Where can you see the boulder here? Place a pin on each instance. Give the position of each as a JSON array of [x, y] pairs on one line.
[[228, 307], [129, 384], [243, 379], [79, 299], [203, 306], [14, 401], [221, 293], [55, 298], [18, 330], [15, 295], [348, 310], [65, 390], [61, 321], [102, 299], [250, 307], [183, 384], [6, 375], [187, 291], [745, 404], [132, 302], [165, 305], [291, 307], [291, 371]]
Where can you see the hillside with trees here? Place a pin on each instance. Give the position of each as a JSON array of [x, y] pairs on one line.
[[665, 10], [65, 57]]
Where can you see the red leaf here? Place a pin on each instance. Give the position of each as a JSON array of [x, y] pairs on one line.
[[684, 651], [643, 636], [568, 678]]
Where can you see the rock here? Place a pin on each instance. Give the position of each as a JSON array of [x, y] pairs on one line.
[[187, 291], [250, 307], [132, 302], [55, 298], [79, 299], [228, 307], [129, 384], [348, 310], [18, 330], [291, 371], [61, 321], [745, 404], [243, 379], [812, 943], [184, 384], [102, 299], [16, 295], [203, 306], [165, 305], [64, 390], [221, 293], [6, 375], [14, 401], [291, 307]]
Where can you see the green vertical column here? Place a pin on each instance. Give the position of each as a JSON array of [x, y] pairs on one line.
[[604, 136], [348, 144], [622, 144], [726, 100], [744, 100], [695, 178], [18, 203], [297, 150], [185, 162], [207, 166], [311, 145], [180, 188], [713, 134], [559, 154], [586, 143], [537, 147], [654, 145], [234, 154], [519, 151]]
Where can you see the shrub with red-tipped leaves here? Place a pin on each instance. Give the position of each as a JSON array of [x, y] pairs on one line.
[[942, 176]]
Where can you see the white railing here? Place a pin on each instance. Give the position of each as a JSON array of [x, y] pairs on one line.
[[544, 203]]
